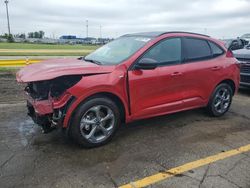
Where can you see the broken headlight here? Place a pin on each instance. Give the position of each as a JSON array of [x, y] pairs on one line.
[[40, 90]]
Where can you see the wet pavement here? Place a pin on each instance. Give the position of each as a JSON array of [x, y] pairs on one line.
[[29, 158]]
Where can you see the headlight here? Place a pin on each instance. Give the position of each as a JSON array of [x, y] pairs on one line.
[[40, 90]]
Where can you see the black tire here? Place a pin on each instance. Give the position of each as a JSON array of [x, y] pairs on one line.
[[214, 99], [77, 133]]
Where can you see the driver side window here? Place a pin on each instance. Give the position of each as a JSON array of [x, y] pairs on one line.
[[166, 52]]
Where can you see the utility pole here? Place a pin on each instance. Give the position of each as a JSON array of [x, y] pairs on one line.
[[7, 11], [87, 28], [100, 31]]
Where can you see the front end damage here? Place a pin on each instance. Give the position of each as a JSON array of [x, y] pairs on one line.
[[49, 100]]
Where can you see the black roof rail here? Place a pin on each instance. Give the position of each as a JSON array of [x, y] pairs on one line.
[[185, 33], [159, 33]]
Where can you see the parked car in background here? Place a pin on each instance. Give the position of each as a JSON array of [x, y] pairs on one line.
[[136, 76], [243, 56], [246, 37], [233, 43]]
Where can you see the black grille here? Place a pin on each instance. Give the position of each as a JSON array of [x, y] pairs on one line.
[[245, 68], [245, 79], [245, 65], [246, 60]]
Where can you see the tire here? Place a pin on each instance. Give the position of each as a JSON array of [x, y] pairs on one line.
[[95, 122], [220, 101]]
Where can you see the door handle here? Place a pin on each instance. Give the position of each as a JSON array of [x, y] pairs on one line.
[[176, 74], [216, 68]]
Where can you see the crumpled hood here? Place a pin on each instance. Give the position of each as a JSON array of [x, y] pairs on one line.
[[53, 68]]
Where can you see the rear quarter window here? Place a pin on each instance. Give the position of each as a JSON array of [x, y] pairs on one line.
[[196, 49], [216, 50]]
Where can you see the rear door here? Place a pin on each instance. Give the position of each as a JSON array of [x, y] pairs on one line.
[[160, 90], [203, 65]]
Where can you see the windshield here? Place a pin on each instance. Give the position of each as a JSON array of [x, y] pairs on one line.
[[118, 50]]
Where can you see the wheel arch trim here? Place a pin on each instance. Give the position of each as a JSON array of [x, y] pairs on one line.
[[84, 98], [231, 83]]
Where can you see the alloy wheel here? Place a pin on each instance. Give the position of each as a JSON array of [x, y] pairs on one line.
[[222, 100], [97, 124]]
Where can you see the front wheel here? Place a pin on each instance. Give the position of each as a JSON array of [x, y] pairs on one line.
[[95, 122], [220, 100]]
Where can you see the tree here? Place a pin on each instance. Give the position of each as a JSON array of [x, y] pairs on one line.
[[10, 38], [5, 36], [36, 34], [41, 34], [21, 35], [31, 35]]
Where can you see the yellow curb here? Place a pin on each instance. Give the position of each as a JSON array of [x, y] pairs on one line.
[[22, 62]]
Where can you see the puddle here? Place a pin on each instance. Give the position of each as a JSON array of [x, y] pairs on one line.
[[26, 129]]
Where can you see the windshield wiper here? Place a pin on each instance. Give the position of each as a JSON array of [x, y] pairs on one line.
[[93, 61]]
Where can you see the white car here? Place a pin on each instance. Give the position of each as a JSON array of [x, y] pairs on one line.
[[246, 37]]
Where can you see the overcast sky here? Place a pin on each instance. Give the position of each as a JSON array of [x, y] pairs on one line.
[[218, 18]]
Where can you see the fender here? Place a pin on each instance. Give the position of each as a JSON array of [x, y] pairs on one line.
[[82, 98]]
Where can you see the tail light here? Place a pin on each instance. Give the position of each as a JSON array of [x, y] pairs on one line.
[[238, 63], [229, 53]]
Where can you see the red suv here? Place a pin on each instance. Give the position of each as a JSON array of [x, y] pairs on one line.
[[133, 77]]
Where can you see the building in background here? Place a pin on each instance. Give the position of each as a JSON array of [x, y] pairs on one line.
[[64, 39]]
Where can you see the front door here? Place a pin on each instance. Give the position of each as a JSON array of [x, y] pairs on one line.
[[158, 91]]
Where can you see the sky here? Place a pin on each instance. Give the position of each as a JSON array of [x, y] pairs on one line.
[[112, 18]]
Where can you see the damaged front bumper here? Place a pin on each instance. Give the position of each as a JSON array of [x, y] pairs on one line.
[[49, 113]]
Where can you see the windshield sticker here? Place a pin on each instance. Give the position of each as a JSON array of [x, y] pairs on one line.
[[143, 39]]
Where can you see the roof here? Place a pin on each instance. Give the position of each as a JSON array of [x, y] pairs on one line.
[[159, 33]]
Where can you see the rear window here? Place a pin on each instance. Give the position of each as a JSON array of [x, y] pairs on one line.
[[196, 49], [216, 50]]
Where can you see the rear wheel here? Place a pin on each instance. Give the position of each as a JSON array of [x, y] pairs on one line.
[[220, 100], [95, 122]]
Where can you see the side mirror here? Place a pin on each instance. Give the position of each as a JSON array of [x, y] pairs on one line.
[[146, 64], [237, 44]]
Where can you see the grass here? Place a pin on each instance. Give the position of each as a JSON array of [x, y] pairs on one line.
[[4, 45], [28, 46], [42, 54], [9, 69]]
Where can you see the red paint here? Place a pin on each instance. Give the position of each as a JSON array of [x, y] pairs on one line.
[[149, 93], [53, 68], [41, 107], [61, 101]]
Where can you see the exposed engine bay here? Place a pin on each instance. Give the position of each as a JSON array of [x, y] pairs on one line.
[[41, 92]]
